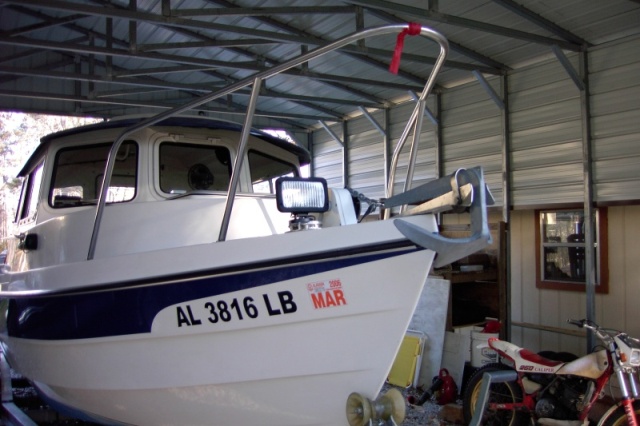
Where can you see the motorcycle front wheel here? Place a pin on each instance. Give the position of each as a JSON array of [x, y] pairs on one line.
[[499, 393], [619, 417]]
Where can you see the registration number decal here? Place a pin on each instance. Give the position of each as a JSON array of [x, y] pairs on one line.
[[221, 310], [326, 294]]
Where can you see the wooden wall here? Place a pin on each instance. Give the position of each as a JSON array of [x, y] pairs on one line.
[[618, 309]]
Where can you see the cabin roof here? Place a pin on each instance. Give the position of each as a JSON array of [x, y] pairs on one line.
[[180, 121]]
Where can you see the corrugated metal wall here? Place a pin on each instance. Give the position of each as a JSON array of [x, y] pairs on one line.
[[366, 156], [546, 131], [615, 108], [425, 168], [545, 118], [472, 133]]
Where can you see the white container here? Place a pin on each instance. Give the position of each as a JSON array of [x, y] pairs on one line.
[[481, 353]]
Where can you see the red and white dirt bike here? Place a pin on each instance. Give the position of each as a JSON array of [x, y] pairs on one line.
[[551, 392]]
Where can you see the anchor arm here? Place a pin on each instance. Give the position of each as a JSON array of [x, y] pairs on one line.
[[454, 195]]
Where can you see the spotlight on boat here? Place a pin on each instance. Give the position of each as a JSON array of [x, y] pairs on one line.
[[300, 197], [361, 410]]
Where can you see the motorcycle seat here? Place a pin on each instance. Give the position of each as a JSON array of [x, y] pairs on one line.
[[538, 359]]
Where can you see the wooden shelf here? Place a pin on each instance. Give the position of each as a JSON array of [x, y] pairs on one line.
[[466, 277]]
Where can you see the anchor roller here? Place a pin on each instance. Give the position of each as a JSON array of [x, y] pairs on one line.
[[361, 410]]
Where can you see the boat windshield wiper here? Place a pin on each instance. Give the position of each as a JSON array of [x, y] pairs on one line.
[[177, 195]]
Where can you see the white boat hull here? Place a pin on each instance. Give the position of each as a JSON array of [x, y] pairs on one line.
[[302, 346]]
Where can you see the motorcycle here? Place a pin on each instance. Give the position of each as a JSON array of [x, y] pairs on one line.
[[562, 393]]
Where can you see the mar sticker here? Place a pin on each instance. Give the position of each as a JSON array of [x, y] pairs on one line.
[[325, 294]]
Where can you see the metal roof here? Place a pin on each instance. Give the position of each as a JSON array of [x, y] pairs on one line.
[[107, 58]]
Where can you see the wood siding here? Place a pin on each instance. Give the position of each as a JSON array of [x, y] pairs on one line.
[[617, 309]]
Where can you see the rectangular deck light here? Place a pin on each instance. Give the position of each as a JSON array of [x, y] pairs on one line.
[[302, 195]]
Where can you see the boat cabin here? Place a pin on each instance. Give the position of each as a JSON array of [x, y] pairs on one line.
[[168, 189]]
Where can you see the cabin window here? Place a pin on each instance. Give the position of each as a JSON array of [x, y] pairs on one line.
[[265, 170], [186, 168], [30, 194], [78, 174], [561, 248]]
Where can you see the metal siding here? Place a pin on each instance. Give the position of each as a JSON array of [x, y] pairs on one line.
[[425, 168], [472, 133], [366, 156], [546, 135], [546, 132], [327, 155], [616, 120]]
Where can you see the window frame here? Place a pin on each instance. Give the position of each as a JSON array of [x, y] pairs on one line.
[[600, 247]]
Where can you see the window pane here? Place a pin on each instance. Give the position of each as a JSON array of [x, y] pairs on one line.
[[78, 174], [30, 193], [564, 264], [266, 169], [562, 226], [191, 167]]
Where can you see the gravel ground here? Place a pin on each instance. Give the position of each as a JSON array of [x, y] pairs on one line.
[[425, 415]]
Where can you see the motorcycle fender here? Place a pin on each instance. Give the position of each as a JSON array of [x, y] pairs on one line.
[[591, 366]]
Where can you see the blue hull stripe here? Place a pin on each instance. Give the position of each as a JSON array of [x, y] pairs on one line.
[[131, 310]]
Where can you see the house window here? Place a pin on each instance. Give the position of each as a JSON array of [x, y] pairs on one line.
[[560, 250]]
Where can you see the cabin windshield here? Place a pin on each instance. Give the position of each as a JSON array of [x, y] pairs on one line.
[[265, 169], [78, 173]]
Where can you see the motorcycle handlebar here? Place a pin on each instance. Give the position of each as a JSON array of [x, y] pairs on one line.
[[585, 323], [577, 323]]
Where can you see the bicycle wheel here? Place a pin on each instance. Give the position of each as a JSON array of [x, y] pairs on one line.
[[499, 393]]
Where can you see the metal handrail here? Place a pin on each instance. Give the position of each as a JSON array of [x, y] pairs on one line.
[[257, 78]]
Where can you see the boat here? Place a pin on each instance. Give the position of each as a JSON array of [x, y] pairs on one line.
[[177, 270]]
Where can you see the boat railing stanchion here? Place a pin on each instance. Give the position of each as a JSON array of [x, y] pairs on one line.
[[263, 75]]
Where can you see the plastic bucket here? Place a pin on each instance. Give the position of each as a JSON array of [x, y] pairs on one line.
[[481, 353]]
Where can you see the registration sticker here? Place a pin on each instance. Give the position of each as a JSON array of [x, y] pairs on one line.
[[326, 294]]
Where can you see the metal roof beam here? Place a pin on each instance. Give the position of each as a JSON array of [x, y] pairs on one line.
[[347, 50], [263, 11], [431, 15], [204, 44], [154, 104], [363, 95], [303, 70], [54, 22], [491, 66], [71, 26], [538, 20], [124, 13], [299, 36], [336, 83], [249, 66], [46, 72]]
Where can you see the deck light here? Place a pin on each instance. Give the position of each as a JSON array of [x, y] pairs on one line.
[[302, 195]]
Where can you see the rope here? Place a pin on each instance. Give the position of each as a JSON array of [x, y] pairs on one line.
[[413, 29]]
